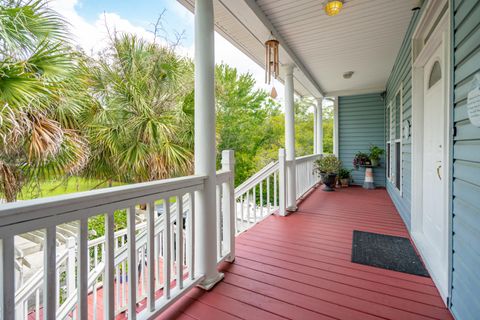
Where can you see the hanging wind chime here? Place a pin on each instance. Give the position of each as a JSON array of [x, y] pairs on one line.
[[272, 66]]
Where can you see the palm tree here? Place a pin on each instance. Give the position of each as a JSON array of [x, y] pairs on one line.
[[41, 96], [140, 129]]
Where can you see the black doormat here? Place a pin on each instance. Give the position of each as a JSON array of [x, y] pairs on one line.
[[388, 252]]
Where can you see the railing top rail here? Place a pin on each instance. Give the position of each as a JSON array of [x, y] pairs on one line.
[[253, 180], [307, 157], [17, 212]]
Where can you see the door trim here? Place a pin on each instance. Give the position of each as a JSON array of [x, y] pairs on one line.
[[421, 52]]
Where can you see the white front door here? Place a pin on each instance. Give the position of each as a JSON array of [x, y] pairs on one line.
[[433, 149], [434, 231]]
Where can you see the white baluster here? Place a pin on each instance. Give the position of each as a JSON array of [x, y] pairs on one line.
[[179, 242], [7, 274], [132, 264], [83, 269], [108, 279], [166, 249], [191, 237], [151, 255], [50, 272]]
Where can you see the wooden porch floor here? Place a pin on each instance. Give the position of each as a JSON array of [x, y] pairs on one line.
[[299, 267]]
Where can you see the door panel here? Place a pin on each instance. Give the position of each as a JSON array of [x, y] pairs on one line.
[[433, 167]]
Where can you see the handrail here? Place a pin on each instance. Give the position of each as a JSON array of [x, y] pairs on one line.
[[18, 212], [254, 179]]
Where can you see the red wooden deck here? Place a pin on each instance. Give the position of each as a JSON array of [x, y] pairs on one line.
[[298, 267]]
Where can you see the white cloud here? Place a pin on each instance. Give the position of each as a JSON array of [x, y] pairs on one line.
[[93, 37]]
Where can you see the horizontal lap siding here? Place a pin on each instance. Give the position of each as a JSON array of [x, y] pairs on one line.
[[361, 123], [465, 302], [401, 77]]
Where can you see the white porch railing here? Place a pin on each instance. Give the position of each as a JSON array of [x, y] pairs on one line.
[[264, 193], [159, 241], [306, 177], [75, 277]]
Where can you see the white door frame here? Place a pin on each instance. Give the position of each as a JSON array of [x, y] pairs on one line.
[[422, 51]]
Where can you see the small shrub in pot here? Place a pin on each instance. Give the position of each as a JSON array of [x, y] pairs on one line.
[[327, 168], [344, 175]]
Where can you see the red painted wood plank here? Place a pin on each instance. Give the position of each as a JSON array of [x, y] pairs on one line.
[[300, 300], [354, 271], [232, 306], [344, 298], [391, 298], [433, 300], [275, 306]]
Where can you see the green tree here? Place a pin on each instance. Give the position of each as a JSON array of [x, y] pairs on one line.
[[243, 119], [142, 126], [40, 97]]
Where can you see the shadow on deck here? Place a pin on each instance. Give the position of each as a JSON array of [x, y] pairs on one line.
[[299, 267]]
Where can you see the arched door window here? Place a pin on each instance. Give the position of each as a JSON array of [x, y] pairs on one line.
[[435, 74]]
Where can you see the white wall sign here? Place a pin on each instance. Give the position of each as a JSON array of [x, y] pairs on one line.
[[473, 102]]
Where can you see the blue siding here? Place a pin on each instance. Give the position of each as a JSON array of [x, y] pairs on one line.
[[361, 122], [465, 302], [401, 78]]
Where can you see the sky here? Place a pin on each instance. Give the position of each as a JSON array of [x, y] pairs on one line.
[[90, 21]]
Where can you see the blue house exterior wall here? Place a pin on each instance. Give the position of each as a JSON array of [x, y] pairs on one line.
[[465, 291], [361, 123], [401, 78]]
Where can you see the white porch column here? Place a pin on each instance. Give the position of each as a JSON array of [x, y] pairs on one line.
[[205, 226], [315, 143], [319, 126], [335, 127], [290, 138]]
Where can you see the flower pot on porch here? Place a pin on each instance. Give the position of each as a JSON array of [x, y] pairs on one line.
[[329, 180], [375, 162], [345, 182]]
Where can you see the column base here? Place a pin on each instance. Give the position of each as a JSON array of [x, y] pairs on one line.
[[208, 284], [292, 209]]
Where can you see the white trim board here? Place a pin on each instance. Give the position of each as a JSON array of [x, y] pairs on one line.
[[439, 264]]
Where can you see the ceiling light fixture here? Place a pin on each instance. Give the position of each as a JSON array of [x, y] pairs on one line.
[[348, 75], [333, 7]]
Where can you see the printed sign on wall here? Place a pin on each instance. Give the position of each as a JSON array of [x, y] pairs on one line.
[[473, 101]]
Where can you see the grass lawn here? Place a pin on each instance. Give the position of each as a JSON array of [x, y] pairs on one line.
[[59, 187]]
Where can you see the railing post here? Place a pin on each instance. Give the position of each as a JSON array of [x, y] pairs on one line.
[[205, 152], [282, 172], [228, 164], [319, 123], [290, 138]]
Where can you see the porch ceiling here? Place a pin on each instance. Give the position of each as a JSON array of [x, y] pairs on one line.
[[365, 38]]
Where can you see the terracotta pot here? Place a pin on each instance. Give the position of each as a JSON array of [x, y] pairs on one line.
[[344, 182]]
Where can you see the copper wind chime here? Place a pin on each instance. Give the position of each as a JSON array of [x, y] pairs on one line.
[[272, 66]]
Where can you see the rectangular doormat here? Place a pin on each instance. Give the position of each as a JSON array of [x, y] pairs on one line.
[[388, 252]]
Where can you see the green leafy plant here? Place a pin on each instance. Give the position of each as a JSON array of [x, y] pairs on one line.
[[328, 164], [375, 153], [344, 173]]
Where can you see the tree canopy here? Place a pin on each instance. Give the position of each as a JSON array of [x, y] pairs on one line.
[[125, 115]]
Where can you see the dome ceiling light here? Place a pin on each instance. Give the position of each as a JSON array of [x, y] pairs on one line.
[[333, 7]]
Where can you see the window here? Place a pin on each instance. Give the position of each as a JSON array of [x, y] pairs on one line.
[[394, 143], [435, 74]]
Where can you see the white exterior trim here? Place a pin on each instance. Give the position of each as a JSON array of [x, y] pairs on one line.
[[335, 127], [344, 93], [421, 52]]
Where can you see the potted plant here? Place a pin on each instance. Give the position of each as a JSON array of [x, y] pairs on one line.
[[375, 153], [327, 167], [361, 159], [344, 176]]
